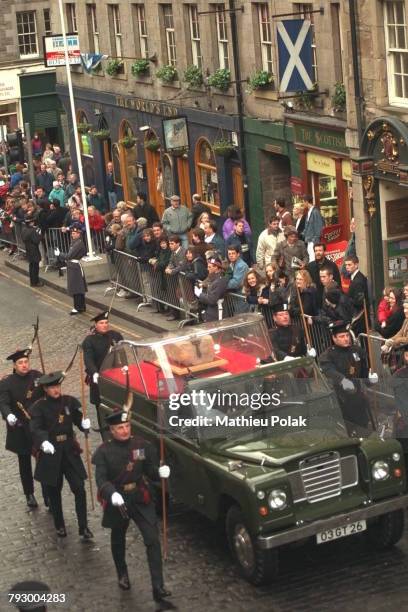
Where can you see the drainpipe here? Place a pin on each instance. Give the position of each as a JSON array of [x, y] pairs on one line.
[[356, 70]]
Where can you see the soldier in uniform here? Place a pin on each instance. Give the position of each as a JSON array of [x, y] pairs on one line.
[[51, 425], [95, 347], [76, 282], [122, 466], [345, 365], [17, 393], [288, 340]]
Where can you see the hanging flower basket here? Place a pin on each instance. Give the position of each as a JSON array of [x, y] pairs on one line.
[[140, 67], [223, 148], [128, 142], [101, 134], [153, 144], [84, 128]]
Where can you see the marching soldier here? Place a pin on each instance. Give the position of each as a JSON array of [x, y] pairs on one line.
[[122, 466], [51, 425], [95, 347], [345, 365], [288, 340], [17, 393]]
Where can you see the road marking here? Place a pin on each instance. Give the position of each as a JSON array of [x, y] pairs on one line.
[[93, 311]]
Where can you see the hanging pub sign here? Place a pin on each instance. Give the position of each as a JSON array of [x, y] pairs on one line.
[[54, 51], [175, 132]]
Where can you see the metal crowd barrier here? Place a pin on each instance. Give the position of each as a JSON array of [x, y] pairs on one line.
[[11, 236], [58, 237]]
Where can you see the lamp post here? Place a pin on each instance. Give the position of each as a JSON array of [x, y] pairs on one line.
[[91, 255]]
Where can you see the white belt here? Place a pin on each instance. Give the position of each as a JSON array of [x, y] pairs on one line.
[[74, 260]]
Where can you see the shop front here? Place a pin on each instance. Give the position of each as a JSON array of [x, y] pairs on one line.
[[383, 168], [158, 149], [325, 171], [10, 111]]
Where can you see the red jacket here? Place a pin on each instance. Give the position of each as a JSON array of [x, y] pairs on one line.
[[383, 310], [96, 222]]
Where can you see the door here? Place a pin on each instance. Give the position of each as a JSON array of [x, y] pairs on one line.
[[183, 170], [238, 187], [155, 181]]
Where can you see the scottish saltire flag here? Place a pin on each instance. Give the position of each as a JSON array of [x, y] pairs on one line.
[[295, 55], [91, 60]]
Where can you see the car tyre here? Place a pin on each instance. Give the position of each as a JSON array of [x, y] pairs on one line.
[[256, 565], [387, 530]]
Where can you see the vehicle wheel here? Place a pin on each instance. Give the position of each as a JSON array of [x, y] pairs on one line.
[[387, 530], [257, 566]]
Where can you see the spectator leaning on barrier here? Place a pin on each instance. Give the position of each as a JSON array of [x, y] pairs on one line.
[[237, 268], [57, 214], [177, 220], [195, 266], [252, 288], [394, 321], [401, 337], [267, 242], [131, 234], [215, 288]]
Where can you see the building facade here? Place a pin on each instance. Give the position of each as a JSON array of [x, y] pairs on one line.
[[27, 88]]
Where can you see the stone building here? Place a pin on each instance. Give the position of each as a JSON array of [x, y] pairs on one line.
[[27, 88]]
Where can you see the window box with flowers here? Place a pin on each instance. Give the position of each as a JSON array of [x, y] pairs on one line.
[[220, 79], [127, 142], [260, 80], [167, 74], [193, 76], [140, 67], [84, 128], [114, 67], [152, 145], [223, 148], [101, 134], [339, 98]]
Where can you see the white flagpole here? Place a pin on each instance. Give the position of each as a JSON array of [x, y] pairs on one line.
[[91, 254]]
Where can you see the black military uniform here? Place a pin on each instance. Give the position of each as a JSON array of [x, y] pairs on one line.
[[17, 393], [52, 423], [95, 347], [289, 340], [76, 282], [350, 363], [123, 467], [31, 236]]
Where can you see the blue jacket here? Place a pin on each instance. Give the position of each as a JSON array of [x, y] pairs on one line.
[[313, 226], [237, 272]]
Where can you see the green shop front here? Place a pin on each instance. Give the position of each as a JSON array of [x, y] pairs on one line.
[[383, 167], [41, 107]]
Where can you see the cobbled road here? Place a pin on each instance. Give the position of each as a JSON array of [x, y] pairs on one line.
[[341, 576]]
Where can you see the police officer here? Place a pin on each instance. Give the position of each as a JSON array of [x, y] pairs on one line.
[[288, 340], [95, 347], [345, 365], [17, 393], [123, 465], [51, 425]]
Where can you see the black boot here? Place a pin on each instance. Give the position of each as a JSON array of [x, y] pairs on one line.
[[61, 532], [31, 501], [123, 581], [86, 534], [160, 593]]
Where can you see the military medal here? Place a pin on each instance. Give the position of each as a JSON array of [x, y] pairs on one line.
[[61, 418], [138, 453]]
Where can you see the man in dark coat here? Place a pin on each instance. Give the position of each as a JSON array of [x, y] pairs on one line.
[[288, 340], [123, 466], [145, 210], [198, 208], [345, 365], [321, 261], [51, 426], [95, 348], [216, 287], [31, 236], [76, 282], [17, 393], [358, 292], [44, 179]]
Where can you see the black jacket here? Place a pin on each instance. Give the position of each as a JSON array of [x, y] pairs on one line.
[[393, 323], [314, 268], [216, 290], [51, 419], [148, 212], [76, 282], [16, 389], [95, 347], [196, 270], [358, 291], [31, 237], [118, 464], [288, 341]]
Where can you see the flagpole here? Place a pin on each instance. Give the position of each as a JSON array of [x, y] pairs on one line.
[[91, 255]]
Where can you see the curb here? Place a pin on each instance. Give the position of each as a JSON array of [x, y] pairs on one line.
[[95, 303]]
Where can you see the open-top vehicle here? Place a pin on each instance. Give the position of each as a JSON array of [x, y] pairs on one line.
[[262, 447]]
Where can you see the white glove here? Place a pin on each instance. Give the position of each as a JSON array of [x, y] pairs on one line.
[[373, 377], [164, 471], [288, 358], [386, 348], [86, 423], [347, 385], [95, 378], [117, 499], [311, 352], [11, 419], [57, 252], [198, 291], [47, 448]]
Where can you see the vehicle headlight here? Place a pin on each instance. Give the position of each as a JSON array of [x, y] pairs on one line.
[[277, 499], [380, 470], [260, 494]]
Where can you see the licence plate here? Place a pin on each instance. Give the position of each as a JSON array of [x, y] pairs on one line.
[[340, 532]]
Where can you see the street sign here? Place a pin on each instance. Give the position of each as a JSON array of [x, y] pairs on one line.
[[54, 53]]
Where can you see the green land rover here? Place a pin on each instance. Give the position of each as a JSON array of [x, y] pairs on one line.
[[261, 447]]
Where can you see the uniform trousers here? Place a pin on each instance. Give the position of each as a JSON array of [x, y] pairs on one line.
[[77, 487], [26, 473], [33, 271], [150, 534], [79, 302]]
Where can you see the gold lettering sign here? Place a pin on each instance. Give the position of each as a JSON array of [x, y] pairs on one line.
[[320, 164], [147, 106]]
